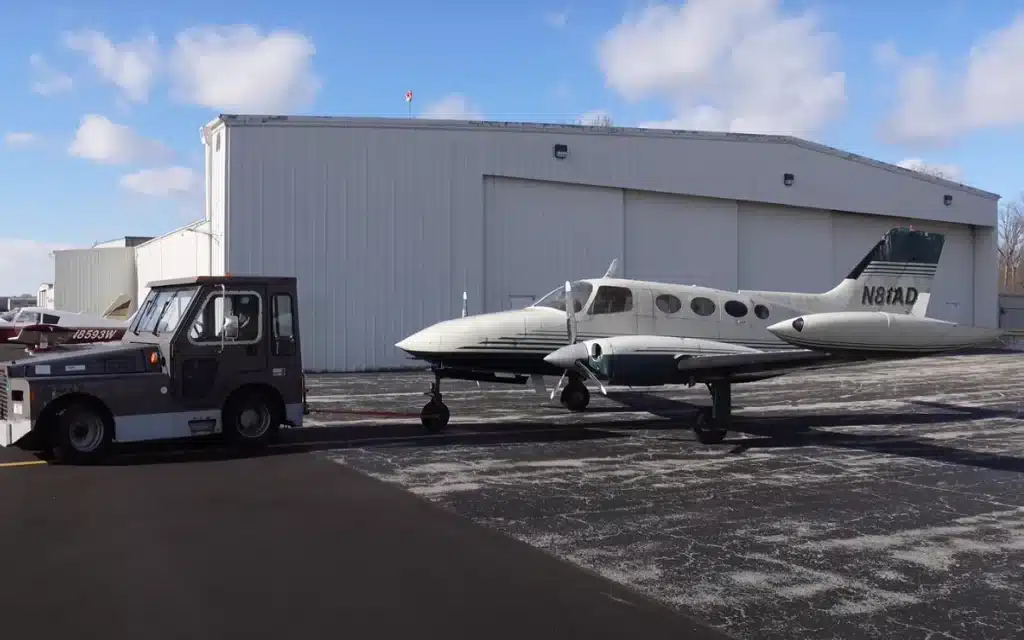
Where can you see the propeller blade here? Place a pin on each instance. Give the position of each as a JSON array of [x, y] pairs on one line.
[[558, 385], [570, 313]]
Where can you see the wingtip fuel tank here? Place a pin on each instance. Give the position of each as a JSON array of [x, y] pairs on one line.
[[879, 332]]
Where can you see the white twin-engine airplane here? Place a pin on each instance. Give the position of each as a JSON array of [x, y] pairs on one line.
[[639, 333]]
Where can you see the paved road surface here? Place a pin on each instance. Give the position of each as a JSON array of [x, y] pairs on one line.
[[284, 546], [878, 501]]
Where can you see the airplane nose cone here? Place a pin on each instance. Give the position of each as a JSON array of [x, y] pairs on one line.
[[567, 356], [418, 342]]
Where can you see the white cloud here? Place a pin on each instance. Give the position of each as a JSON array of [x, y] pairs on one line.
[[19, 138], [47, 80], [25, 264], [556, 19], [452, 107], [597, 117], [100, 140], [735, 66], [170, 182], [130, 66], [947, 171], [934, 106], [240, 69]]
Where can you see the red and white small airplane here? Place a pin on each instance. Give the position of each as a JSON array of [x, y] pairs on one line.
[[40, 329]]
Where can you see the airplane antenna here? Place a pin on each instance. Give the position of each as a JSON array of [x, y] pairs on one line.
[[464, 308], [613, 269]]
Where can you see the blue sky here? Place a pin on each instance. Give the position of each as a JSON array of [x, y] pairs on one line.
[[97, 93]]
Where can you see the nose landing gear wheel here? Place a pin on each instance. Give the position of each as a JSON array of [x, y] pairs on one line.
[[575, 396], [435, 416]]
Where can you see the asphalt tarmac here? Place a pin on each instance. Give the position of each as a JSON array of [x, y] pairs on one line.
[[876, 501], [282, 546]]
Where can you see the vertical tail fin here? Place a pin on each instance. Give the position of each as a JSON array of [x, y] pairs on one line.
[[118, 309], [895, 276]]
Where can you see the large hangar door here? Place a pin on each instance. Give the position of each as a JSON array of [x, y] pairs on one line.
[[785, 249], [680, 239], [953, 287], [538, 234]]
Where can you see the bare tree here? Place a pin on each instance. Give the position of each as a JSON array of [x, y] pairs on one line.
[[1011, 245], [944, 171], [595, 119]]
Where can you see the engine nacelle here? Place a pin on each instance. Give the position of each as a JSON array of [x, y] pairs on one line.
[[637, 361]]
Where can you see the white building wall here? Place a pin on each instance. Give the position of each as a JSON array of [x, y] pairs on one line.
[[537, 235], [671, 238], [182, 253], [385, 223], [44, 296], [89, 280]]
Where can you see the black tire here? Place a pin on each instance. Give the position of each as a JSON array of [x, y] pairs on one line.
[[575, 397], [81, 434], [250, 419], [435, 416], [706, 430]]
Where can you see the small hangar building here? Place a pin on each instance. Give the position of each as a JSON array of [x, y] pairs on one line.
[[385, 222]]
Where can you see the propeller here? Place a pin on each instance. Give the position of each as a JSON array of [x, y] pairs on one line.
[[570, 327]]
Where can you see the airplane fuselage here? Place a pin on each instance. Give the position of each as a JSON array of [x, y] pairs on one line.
[[516, 341]]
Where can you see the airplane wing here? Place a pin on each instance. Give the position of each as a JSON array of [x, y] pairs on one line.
[[815, 341], [758, 365]]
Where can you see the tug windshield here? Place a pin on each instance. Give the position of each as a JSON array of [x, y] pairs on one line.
[[556, 299], [162, 310]]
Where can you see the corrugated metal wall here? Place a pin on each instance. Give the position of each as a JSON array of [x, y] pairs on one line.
[[181, 253], [384, 228], [89, 280]]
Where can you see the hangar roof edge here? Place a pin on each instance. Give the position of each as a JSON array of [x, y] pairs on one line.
[[578, 129]]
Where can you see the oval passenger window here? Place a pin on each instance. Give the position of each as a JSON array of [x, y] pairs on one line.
[[702, 306], [735, 309]]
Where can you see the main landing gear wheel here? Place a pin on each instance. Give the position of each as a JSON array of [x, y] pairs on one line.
[[712, 423], [706, 430], [435, 413], [575, 396]]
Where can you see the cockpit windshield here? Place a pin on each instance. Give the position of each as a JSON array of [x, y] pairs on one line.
[[581, 290]]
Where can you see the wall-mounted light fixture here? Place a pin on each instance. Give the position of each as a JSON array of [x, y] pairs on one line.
[[947, 199], [561, 151], [787, 179]]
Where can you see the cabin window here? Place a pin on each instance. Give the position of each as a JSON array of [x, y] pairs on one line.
[[612, 300], [283, 327], [211, 321], [668, 303], [49, 318], [27, 317], [556, 299], [761, 311], [702, 306], [735, 308]]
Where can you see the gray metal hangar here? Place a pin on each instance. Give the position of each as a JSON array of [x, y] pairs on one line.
[[386, 221]]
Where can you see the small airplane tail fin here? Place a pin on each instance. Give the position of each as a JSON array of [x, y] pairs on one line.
[[118, 309], [895, 276]]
